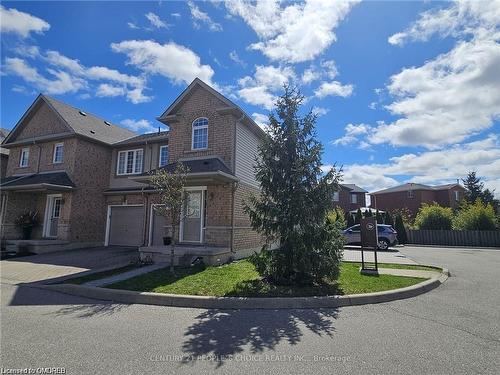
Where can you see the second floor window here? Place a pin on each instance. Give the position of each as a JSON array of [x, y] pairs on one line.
[[354, 198], [457, 195], [410, 193], [24, 158], [336, 197], [163, 156], [129, 162], [200, 134], [58, 153]]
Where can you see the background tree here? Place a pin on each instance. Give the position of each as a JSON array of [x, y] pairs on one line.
[[476, 216], [358, 217], [434, 216], [380, 218], [349, 219], [294, 200], [401, 229], [473, 186], [368, 213], [388, 219], [338, 215], [171, 198]]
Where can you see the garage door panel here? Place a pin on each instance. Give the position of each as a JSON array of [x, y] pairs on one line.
[[126, 226]]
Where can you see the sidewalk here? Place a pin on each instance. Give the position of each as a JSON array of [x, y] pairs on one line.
[[126, 275], [353, 254]]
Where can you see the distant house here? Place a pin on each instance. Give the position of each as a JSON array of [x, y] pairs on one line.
[[350, 197], [412, 196]]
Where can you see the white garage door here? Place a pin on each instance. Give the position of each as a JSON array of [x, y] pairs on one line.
[[126, 226]]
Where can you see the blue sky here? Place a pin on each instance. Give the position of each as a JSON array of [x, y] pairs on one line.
[[404, 91]]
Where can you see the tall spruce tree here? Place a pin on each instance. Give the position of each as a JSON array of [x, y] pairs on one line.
[[474, 187], [358, 217], [401, 229], [295, 199]]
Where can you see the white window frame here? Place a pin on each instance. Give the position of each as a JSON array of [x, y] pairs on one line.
[[24, 151], [198, 127], [457, 195], [134, 160], [410, 194], [354, 198], [336, 196], [54, 161], [159, 156]]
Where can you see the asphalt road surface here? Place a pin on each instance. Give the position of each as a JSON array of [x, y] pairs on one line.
[[454, 329]]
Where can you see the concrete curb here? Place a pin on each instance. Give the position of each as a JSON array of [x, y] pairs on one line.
[[146, 298]]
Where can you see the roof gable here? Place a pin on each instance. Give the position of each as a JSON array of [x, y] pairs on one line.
[[53, 117]]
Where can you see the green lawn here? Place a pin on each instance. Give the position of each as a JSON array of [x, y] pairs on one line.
[[99, 275], [241, 279]]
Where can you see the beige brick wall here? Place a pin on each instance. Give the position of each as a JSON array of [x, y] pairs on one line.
[[220, 128]]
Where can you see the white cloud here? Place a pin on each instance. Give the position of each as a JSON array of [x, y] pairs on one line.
[[156, 21], [200, 16], [261, 120], [234, 56], [455, 162], [296, 32], [333, 88], [320, 111], [352, 132], [171, 60], [133, 26], [261, 88], [20, 23], [457, 94], [176, 15], [327, 69], [139, 126], [107, 90], [60, 82], [460, 18], [72, 76]]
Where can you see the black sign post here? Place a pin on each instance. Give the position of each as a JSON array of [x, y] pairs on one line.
[[369, 241]]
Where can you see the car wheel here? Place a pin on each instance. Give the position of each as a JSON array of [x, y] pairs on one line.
[[383, 244]]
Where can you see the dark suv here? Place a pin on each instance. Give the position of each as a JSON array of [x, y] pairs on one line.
[[387, 236]]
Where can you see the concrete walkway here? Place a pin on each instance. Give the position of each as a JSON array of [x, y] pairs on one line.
[[44, 267], [409, 273], [126, 275]]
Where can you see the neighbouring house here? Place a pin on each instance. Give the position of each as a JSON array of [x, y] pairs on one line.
[[411, 196], [89, 179], [350, 197]]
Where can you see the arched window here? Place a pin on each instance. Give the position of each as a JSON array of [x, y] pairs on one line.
[[200, 134]]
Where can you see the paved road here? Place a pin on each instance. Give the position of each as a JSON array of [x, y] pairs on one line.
[[454, 329]]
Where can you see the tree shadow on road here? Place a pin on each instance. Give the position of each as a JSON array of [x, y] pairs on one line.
[[89, 310], [220, 334]]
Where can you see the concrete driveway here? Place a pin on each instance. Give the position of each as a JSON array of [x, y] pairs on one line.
[[45, 267]]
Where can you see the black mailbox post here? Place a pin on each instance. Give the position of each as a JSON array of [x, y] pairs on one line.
[[369, 241]]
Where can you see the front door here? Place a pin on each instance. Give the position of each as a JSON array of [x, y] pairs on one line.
[[53, 213], [192, 213]]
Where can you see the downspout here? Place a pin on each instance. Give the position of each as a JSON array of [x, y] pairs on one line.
[[234, 184]]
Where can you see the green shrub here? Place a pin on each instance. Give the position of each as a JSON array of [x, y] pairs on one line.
[[401, 229], [338, 215], [476, 216], [434, 216]]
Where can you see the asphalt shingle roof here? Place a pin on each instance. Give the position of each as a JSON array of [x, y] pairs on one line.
[[414, 186], [89, 125], [150, 137], [55, 178], [354, 188]]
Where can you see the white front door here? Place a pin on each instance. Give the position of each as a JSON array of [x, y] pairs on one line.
[[192, 213], [53, 212]]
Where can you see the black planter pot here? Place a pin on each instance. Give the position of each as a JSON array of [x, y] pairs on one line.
[[167, 241], [27, 232]]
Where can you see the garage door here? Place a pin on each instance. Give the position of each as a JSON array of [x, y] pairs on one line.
[[126, 226]]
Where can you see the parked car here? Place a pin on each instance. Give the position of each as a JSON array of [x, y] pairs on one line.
[[387, 236]]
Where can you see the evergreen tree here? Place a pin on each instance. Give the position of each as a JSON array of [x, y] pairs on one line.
[[349, 220], [368, 213], [358, 217], [400, 228], [388, 219], [380, 219], [294, 200], [473, 186]]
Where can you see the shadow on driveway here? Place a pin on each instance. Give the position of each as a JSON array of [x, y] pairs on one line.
[[221, 334]]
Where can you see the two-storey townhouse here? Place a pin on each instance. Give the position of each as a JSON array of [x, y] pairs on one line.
[[218, 142], [59, 164], [411, 196], [350, 197]]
